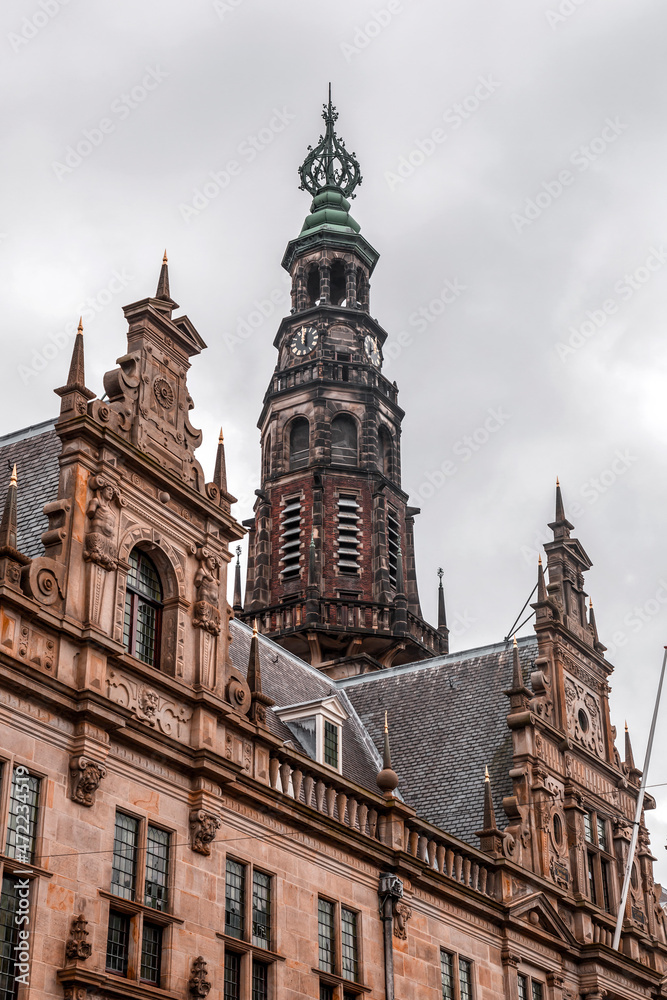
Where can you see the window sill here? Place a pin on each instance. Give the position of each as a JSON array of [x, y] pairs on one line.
[[163, 917], [239, 945], [116, 986], [349, 985], [14, 867]]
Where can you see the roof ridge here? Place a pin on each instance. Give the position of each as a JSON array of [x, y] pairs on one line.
[[26, 432], [448, 659]]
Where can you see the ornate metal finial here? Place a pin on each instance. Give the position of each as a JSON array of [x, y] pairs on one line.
[[329, 163], [441, 573], [238, 553], [164, 258]]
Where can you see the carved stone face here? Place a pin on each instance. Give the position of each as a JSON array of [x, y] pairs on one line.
[[107, 493]]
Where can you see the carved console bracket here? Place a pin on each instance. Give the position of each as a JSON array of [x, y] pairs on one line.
[[78, 946], [86, 775], [198, 983], [203, 828]]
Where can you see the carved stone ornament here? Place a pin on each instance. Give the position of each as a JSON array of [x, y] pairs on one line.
[[100, 545], [584, 718], [86, 775], [146, 705], [402, 913], [203, 828], [164, 393], [206, 609], [78, 946], [198, 983]]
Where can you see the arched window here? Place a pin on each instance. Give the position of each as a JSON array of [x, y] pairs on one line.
[[343, 440], [313, 286], [299, 444], [338, 284], [266, 465], [143, 609], [386, 452]]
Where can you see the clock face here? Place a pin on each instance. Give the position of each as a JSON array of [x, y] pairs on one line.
[[304, 340], [372, 349]]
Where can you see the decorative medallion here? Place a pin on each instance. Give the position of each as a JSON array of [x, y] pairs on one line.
[[164, 393]]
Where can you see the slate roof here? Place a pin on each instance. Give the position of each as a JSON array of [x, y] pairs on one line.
[[447, 720], [290, 681], [35, 451]]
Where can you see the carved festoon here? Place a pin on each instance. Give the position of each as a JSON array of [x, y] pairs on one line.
[[86, 775]]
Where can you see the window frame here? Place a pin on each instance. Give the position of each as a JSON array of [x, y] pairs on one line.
[[328, 710], [339, 984], [244, 948], [456, 959], [136, 911], [531, 981], [135, 596], [599, 886]]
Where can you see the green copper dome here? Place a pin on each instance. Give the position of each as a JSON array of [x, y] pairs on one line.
[[330, 208]]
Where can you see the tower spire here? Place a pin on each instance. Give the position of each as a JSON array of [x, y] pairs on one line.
[[491, 839], [260, 701], [629, 756], [163, 281], [442, 614], [8, 525], [220, 474], [560, 526], [76, 378], [541, 584], [517, 676], [238, 600]]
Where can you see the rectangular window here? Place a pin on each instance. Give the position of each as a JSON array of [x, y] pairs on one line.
[[22, 820], [8, 938], [447, 975], [348, 535], [465, 979], [604, 872], [290, 538], [331, 732], [234, 899], [588, 827], [118, 943], [325, 934], [537, 991], [260, 981], [232, 984], [156, 887], [326, 992], [602, 835], [151, 953], [261, 910], [349, 944], [124, 865], [590, 867]]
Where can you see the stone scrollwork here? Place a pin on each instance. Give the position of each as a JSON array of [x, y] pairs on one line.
[[78, 946], [86, 775], [100, 544], [43, 580], [584, 717], [203, 828], [198, 983], [206, 609], [147, 705]]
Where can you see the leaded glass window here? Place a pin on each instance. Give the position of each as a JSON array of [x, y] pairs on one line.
[[522, 982], [349, 945], [143, 606], [465, 979], [124, 864], [260, 981], [118, 943], [22, 820], [447, 975], [151, 953], [330, 743], [325, 934], [8, 938], [232, 980], [234, 899], [261, 909], [156, 891]]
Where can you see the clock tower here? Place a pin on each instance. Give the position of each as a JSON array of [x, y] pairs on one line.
[[331, 565]]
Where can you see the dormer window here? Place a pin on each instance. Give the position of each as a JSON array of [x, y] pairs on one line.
[[318, 727]]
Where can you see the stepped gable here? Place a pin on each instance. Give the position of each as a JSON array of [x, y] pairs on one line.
[[448, 720], [291, 681], [35, 452]]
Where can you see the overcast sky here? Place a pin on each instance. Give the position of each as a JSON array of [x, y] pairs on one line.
[[514, 160]]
